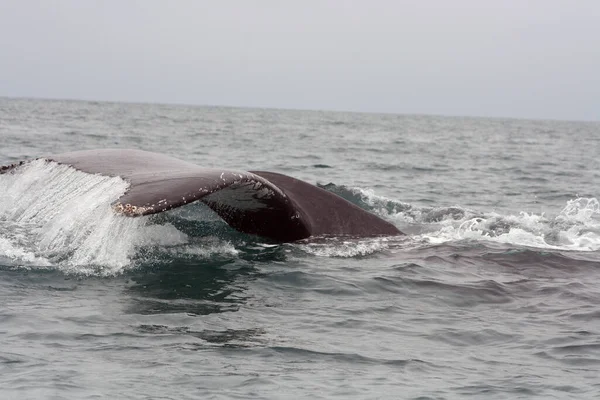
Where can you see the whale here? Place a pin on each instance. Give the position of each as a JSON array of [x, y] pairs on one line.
[[267, 204]]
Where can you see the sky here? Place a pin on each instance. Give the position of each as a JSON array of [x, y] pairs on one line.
[[497, 58]]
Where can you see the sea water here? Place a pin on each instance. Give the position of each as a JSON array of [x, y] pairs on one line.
[[493, 293]]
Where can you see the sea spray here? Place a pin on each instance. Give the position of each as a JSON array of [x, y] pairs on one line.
[[53, 212]]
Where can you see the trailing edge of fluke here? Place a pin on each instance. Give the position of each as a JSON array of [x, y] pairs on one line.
[[262, 203]]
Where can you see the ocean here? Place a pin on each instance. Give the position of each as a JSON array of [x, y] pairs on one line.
[[493, 293]]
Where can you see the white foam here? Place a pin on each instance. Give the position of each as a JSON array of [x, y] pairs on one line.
[[336, 247], [584, 210], [576, 227], [386, 207], [207, 247], [11, 254]]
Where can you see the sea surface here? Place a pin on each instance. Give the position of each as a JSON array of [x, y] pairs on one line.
[[494, 292]]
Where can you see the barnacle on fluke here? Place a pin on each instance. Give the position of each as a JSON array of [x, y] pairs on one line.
[[130, 210]]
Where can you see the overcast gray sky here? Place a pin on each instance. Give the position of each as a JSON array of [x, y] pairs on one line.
[[515, 58]]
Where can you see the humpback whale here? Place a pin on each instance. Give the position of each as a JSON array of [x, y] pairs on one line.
[[262, 203]]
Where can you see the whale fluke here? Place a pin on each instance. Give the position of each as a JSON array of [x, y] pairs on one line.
[[262, 203]]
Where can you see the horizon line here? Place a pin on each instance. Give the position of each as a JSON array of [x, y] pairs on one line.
[[185, 104]]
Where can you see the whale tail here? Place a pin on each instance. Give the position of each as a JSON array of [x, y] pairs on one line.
[[262, 203]]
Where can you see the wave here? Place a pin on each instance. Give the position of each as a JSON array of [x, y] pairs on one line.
[[575, 227], [55, 217]]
